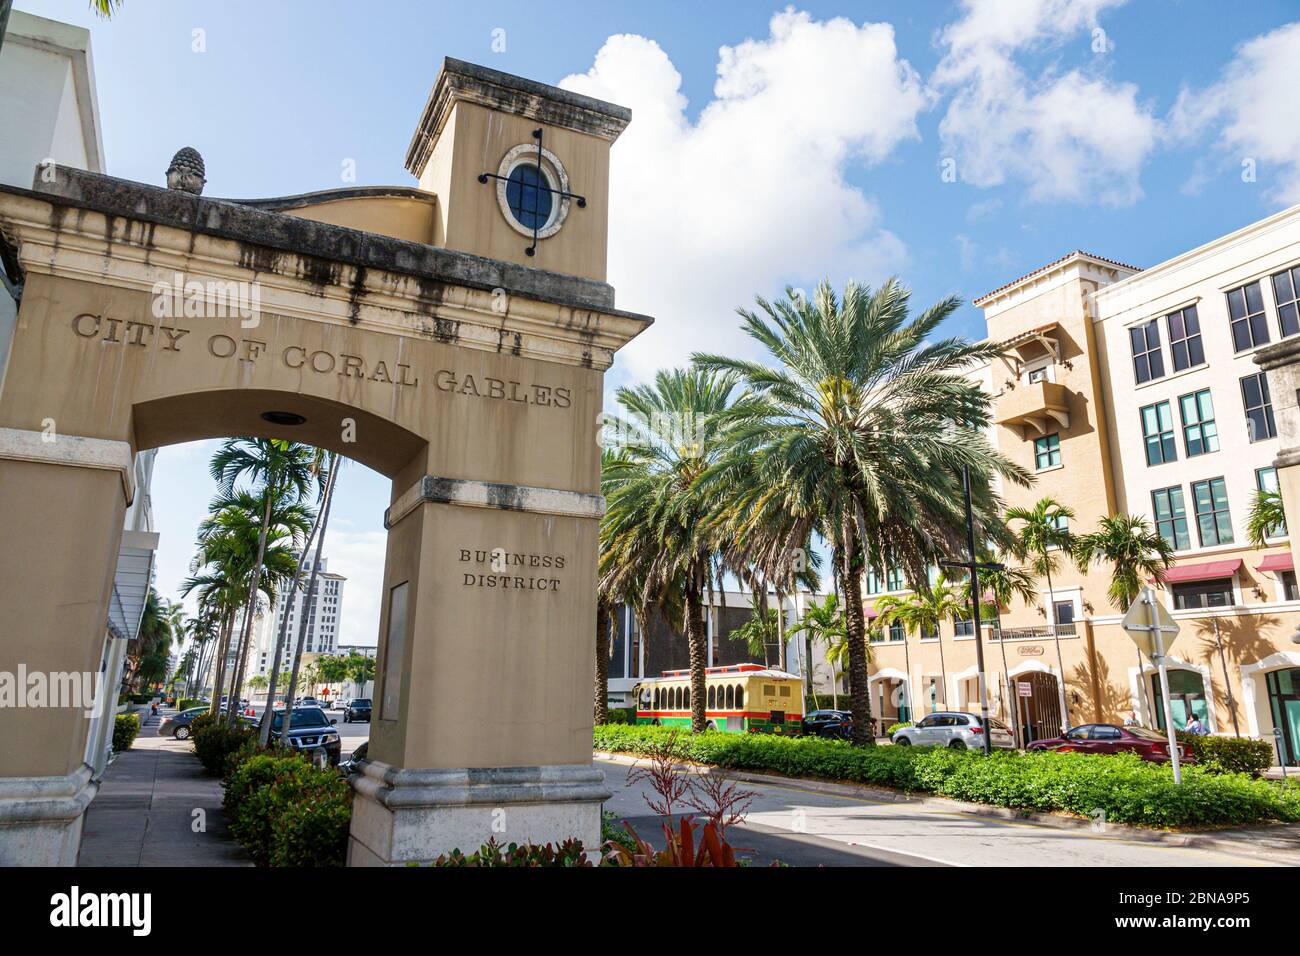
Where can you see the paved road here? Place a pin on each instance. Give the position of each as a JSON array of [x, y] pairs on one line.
[[807, 828]]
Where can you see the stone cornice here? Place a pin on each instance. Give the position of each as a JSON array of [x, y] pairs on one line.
[[400, 288], [488, 494], [460, 81]]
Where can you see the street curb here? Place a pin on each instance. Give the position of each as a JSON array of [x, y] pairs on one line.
[[1199, 840]]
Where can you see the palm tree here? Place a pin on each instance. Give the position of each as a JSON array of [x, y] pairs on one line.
[[327, 498], [1001, 584], [1135, 553], [656, 531], [861, 430], [283, 472], [600, 697], [1267, 518], [759, 633], [161, 622], [822, 623], [924, 609], [1044, 536]]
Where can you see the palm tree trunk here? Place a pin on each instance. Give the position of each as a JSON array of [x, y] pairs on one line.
[[943, 669], [780, 630], [311, 589], [855, 628], [1060, 662], [223, 647], [281, 638], [697, 640], [601, 698], [250, 609], [907, 685]]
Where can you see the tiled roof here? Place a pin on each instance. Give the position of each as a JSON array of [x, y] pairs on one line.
[[1052, 265]]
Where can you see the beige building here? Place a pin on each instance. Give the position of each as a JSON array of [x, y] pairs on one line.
[[1129, 391]]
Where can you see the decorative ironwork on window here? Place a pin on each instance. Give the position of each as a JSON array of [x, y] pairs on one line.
[[534, 191]]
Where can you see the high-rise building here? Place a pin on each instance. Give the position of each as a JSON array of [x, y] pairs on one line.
[[1135, 392], [324, 607]]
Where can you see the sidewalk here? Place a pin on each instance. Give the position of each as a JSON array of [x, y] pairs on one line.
[[144, 813]]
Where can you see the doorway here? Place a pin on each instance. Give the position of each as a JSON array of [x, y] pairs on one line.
[[1038, 706], [1186, 697], [1284, 704]]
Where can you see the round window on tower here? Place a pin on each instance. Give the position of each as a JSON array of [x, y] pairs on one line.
[[530, 191]]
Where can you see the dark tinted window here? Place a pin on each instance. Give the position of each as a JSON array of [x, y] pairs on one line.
[[307, 717]]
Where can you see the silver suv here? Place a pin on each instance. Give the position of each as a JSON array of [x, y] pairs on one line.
[[954, 729]]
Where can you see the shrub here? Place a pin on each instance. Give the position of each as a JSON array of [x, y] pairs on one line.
[[215, 740], [896, 727], [1229, 754], [1123, 787], [315, 816], [570, 853], [621, 715], [185, 703], [125, 729], [284, 811]]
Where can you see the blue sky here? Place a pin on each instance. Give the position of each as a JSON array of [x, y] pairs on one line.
[[815, 145]]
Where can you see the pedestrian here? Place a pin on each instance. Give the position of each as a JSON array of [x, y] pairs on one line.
[[1194, 726], [153, 708], [1131, 719]]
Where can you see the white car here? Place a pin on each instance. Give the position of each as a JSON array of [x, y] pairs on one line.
[[954, 729]]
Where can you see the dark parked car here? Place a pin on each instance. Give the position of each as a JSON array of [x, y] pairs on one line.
[[357, 709], [826, 723], [178, 725], [1110, 739], [309, 729]]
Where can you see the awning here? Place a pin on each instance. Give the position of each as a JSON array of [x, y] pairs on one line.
[[872, 614], [1202, 572], [1278, 561]]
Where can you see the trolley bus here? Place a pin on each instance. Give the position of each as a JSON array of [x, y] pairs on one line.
[[742, 698]]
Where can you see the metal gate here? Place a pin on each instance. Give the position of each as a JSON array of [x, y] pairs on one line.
[[1040, 712]]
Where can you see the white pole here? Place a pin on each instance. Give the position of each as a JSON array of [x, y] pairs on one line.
[[1164, 685]]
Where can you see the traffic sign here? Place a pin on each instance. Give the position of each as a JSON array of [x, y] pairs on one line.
[[1138, 624]]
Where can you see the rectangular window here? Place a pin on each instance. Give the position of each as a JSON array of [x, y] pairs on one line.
[[1200, 434], [963, 627], [1259, 407], [1037, 375], [896, 632], [1246, 315], [894, 579], [1047, 451], [1171, 516], [873, 582], [1198, 594], [1288, 586], [1266, 480], [1185, 338], [1158, 433], [1286, 292], [1063, 611], [1213, 521], [1148, 363]]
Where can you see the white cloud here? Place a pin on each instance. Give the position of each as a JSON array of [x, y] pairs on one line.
[[1072, 136], [358, 556], [1252, 107], [706, 214]]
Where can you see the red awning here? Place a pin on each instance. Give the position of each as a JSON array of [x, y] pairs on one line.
[[872, 614], [1202, 572], [1278, 561]]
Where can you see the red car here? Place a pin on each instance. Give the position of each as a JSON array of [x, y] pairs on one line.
[[1109, 739]]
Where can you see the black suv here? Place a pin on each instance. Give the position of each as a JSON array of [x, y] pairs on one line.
[[357, 709], [309, 729]]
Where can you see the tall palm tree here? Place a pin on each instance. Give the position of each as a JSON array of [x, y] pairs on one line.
[[862, 429], [1043, 538], [822, 623], [331, 471], [600, 696], [1001, 585], [924, 609], [1135, 553], [657, 531], [282, 471]]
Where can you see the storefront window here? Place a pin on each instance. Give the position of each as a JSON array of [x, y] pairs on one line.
[[1186, 697], [1284, 702]]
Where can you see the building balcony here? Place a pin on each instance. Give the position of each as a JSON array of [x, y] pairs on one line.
[[1035, 633], [1036, 409]]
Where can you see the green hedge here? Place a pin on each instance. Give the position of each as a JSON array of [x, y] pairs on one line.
[[187, 702], [1125, 788], [285, 811], [1230, 754], [214, 740], [125, 729]]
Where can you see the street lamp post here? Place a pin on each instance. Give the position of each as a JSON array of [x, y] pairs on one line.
[[973, 566]]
